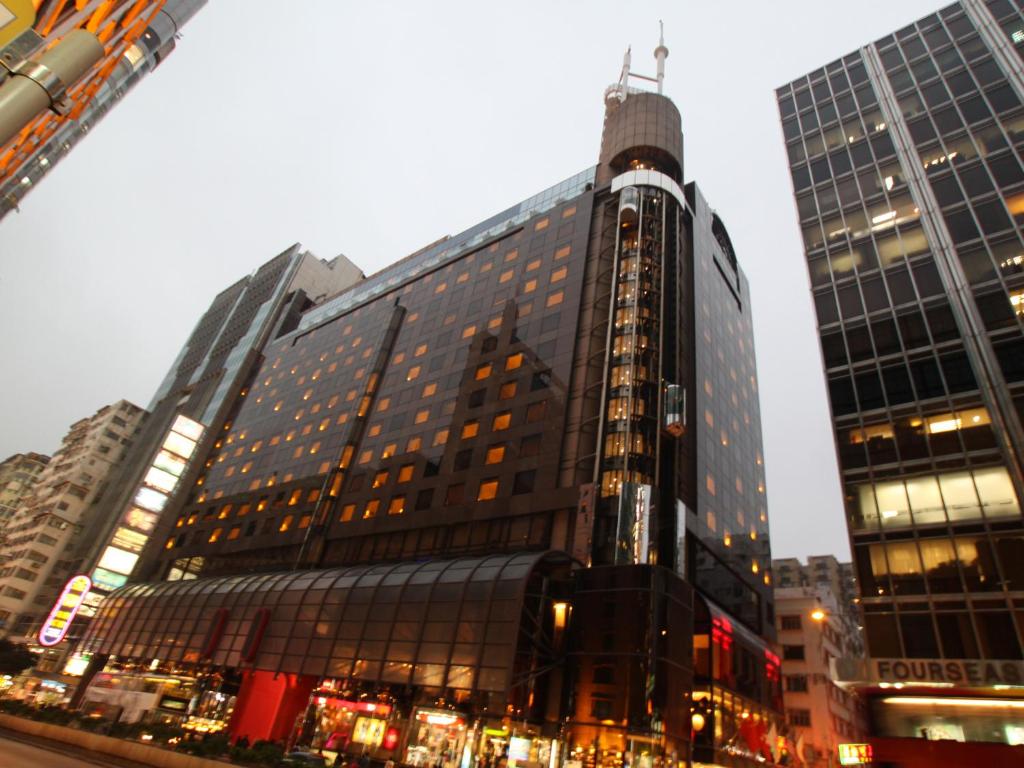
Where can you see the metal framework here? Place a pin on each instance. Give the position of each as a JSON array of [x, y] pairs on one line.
[[117, 24], [461, 624]]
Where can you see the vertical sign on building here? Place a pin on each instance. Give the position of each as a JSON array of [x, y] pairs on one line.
[[122, 552]]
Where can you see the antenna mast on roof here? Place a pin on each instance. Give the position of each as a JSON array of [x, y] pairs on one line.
[[620, 90]]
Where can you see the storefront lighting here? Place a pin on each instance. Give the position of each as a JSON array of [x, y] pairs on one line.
[[952, 702]]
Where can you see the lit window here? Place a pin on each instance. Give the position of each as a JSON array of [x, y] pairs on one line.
[[397, 505], [469, 429], [468, 331], [405, 474], [420, 350], [374, 430], [413, 317], [215, 535], [555, 298], [506, 276], [562, 252], [709, 483], [304, 521], [441, 287], [463, 277], [483, 371], [429, 389], [501, 421], [384, 404], [488, 490], [531, 285], [366, 457], [422, 416], [1017, 301], [389, 450], [507, 390], [380, 479], [559, 274], [413, 444], [397, 359], [347, 512], [413, 373], [295, 497], [234, 533], [531, 266], [371, 508], [307, 394], [246, 467], [570, 211], [495, 454], [511, 255], [441, 437], [542, 224], [324, 425], [494, 322], [513, 361], [286, 523]]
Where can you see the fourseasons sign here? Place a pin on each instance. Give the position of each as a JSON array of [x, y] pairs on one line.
[[118, 558]]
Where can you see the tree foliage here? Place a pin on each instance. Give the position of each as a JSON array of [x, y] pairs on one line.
[[14, 658]]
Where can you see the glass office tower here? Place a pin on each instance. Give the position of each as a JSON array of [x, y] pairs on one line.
[[905, 160], [503, 499]]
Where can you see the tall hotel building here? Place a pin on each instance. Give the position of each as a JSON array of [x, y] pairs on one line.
[[906, 165], [503, 499]]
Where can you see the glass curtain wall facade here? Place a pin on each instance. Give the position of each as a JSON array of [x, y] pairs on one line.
[[524, 390], [906, 165]]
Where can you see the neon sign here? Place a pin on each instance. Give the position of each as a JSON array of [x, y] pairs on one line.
[[63, 613], [855, 754]]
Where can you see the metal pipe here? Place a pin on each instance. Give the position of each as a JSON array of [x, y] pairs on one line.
[[41, 83]]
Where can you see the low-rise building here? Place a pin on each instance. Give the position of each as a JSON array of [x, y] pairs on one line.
[[815, 626]]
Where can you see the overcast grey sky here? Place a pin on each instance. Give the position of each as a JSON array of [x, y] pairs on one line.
[[372, 129]]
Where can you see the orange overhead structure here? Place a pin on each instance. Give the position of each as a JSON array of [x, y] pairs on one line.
[[118, 24]]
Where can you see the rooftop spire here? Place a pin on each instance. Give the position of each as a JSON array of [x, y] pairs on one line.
[[660, 54], [620, 90]]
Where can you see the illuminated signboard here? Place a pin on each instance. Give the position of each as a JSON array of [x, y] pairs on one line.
[[108, 581], [854, 754], [64, 610], [369, 730], [161, 479], [518, 749]]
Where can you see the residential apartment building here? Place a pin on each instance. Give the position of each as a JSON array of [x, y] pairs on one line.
[[906, 164], [18, 475], [54, 516]]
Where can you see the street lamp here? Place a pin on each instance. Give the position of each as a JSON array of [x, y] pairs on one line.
[[818, 615]]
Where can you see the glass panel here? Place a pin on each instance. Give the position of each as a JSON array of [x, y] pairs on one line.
[[978, 563], [925, 500], [905, 568], [894, 509], [940, 565], [960, 496], [996, 491]]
